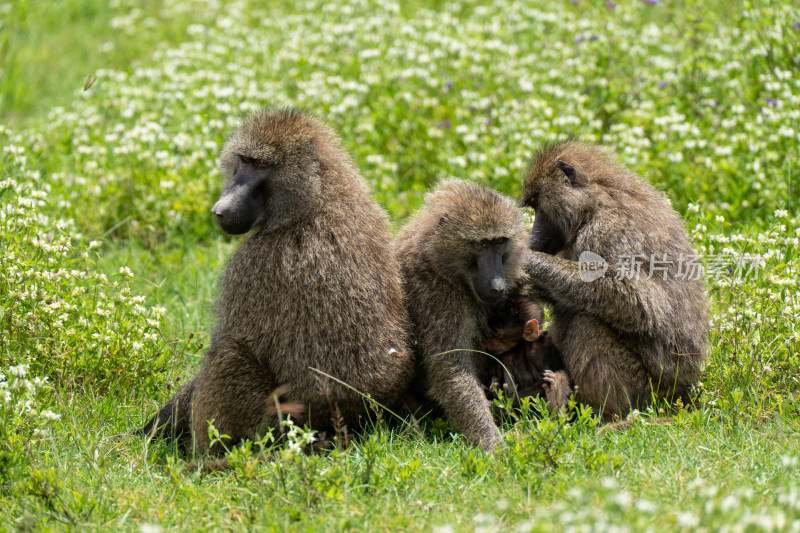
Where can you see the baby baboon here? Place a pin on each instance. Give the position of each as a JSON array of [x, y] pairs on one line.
[[517, 318], [315, 286], [629, 309], [531, 364], [458, 256]]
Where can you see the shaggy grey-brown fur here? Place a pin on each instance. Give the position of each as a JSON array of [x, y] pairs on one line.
[[447, 317], [626, 336], [315, 286]]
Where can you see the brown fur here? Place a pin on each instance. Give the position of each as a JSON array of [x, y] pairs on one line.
[[434, 253], [623, 340], [530, 363], [316, 287], [509, 323]]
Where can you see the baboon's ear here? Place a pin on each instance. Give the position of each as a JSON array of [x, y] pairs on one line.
[[568, 170]]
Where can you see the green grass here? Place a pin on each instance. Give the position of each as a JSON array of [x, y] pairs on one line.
[[50, 51], [701, 100]]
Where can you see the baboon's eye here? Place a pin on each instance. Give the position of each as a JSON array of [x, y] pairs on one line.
[[246, 160], [500, 240]]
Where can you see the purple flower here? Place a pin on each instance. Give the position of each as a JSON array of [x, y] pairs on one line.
[[611, 5], [730, 270], [796, 25], [488, 122], [579, 39], [771, 101], [651, 2], [594, 37], [449, 85], [444, 124], [663, 84]]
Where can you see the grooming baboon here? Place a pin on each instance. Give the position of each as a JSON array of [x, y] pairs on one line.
[[531, 364], [635, 327], [458, 256], [315, 286]]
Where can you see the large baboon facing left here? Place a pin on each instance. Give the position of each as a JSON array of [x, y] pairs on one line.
[[459, 256], [628, 306], [314, 287]]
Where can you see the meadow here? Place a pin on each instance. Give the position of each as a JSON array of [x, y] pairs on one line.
[[111, 119]]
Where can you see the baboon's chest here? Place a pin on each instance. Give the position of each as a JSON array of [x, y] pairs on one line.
[[288, 300]]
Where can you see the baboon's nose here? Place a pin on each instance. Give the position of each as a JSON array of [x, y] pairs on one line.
[[218, 212], [497, 285]]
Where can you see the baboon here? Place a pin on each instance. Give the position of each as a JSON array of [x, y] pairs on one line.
[[314, 287], [458, 257], [517, 318], [531, 365], [629, 312]]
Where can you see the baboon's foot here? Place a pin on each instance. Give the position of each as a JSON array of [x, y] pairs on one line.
[[556, 388]]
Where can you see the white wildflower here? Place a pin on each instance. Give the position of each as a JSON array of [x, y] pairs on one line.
[[623, 499], [19, 371], [646, 506], [687, 520]]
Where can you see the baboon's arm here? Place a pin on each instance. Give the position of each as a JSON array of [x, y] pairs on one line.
[[623, 303], [452, 379]]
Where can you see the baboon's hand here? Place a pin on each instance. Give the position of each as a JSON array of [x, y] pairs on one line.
[[536, 284], [276, 407], [556, 388]]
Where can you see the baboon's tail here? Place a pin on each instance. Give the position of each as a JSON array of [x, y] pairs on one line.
[[173, 421]]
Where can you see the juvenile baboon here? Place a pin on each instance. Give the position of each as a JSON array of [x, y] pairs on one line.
[[629, 313], [314, 287], [458, 256], [531, 365]]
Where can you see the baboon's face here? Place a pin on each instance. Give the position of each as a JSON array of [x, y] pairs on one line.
[[486, 273], [242, 203], [273, 173], [474, 238], [545, 236], [551, 192]]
